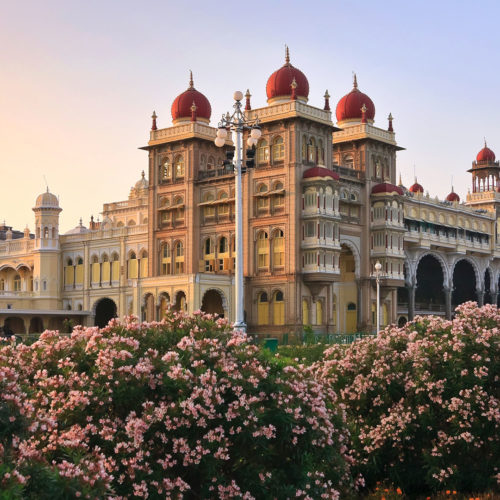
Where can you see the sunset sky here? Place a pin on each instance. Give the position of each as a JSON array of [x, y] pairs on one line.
[[79, 81]]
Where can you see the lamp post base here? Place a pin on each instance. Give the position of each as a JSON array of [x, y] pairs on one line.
[[240, 326]]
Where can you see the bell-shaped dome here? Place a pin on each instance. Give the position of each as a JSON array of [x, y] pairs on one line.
[[349, 107], [142, 183], [279, 84], [387, 188], [80, 229], [453, 196], [183, 104], [485, 155], [323, 172], [416, 187], [47, 200]]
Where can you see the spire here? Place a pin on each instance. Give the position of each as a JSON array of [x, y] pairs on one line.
[[390, 118], [485, 145], [327, 101], [355, 81], [193, 112], [154, 117], [287, 55], [248, 107], [143, 175], [294, 89], [400, 180], [191, 83]]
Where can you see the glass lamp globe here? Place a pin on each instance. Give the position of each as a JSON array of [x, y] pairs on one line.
[[221, 132], [251, 142], [378, 266], [219, 142], [238, 95], [256, 132]]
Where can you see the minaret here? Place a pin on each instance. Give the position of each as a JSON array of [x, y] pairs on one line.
[[47, 211]]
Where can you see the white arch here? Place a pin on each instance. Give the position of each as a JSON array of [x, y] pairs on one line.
[[220, 292], [355, 251], [475, 267], [442, 262]]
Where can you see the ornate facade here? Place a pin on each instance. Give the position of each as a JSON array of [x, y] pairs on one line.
[[320, 208]]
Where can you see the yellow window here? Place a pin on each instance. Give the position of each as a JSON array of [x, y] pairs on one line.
[[79, 274], [144, 267], [263, 309], [106, 272], [278, 149], [132, 268], [115, 271], [96, 272], [279, 249], [279, 309], [69, 275], [263, 250], [319, 312]]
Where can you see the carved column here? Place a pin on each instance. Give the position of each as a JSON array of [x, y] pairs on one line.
[[448, 291], [480, 297], [411, 302], [494, 298]]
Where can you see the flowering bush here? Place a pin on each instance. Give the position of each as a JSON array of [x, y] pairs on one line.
[[423, 401], [185, 407]]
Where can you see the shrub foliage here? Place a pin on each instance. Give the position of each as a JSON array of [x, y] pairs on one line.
[[182, 408], [423, 401]]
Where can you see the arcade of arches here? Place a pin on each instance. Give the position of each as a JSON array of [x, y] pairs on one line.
[[437, 286]]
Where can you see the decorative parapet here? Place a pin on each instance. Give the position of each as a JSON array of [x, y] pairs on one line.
[[485, 196], [364, 131], [184, 131], [291, 109], [15, 247], [100, 234]]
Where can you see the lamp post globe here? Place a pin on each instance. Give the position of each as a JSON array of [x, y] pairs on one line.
[[238, 95], [378, 267]]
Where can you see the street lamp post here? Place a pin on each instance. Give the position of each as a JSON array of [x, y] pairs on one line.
[[378, 267], [237, 123]]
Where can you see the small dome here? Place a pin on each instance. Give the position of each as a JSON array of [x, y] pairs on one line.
[[80, 229], [485, 155], [386, 188], [453, 196], [279, 83], [349, 107], [142, 183], [320, 172], [47, 200], [181, 107], [416, 188]]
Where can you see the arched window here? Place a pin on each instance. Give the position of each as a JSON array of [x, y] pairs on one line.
[[179, 258], [321, 153], [223, 207], [45, 232], [305, 312], [262, 309], [278, 149], [311, 150], [53, 233], [223, 246], [209, 209], [279, 249], [17, 283], [211, 163], [115, 267], [132, 266], [69, 273], [143, 267], [262, 200], [131, 222], [304, 148], [262, 250], [348, 161], [262, 151], [179, 210], [279, 197], [278, 309], [208, 246], [203, 162], [165, 171], [2, 284], [179, 167], [165, 259]]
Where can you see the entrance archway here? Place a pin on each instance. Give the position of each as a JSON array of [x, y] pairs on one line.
[[487, 287], [104, 311], [148, 309], [212, 303], [180, 302], [36, 325], [164, 303], [15, 325], [429, 295], [464, 282]]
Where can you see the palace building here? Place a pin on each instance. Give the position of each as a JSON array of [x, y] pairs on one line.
[[320, 208]]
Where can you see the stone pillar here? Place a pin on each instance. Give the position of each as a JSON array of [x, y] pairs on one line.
[[86, 276], [359, 316], [494, 298], [411, 302], [480, 297], [448, 291]]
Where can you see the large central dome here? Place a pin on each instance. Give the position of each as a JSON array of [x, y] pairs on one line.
[[349, 107], [279, 84], [181, 107]]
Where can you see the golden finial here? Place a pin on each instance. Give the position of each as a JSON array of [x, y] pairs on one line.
[[390, 117], [191, 84], [248, 95], [143, 174], [193, 107], [287, 55], [327, 95], [363, 108], [355, 81], [485, 145], [153, 116], [293, 84], [400, 180]]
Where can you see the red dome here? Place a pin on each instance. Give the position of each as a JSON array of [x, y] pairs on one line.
[[320, 172], [416, 188], [386, 187], [453, 196], [349, 107], [279, 83], [486, 154], [181, 107]]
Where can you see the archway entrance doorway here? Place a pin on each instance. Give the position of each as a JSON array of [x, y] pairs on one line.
[[212, 303], [104, 311], [429, 295], [36, 325], [464, 283], [180, 302]]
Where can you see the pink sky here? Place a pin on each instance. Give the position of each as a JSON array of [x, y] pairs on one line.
[[79, 81]]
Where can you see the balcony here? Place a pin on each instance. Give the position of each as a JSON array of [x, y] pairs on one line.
[[216, 172]]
